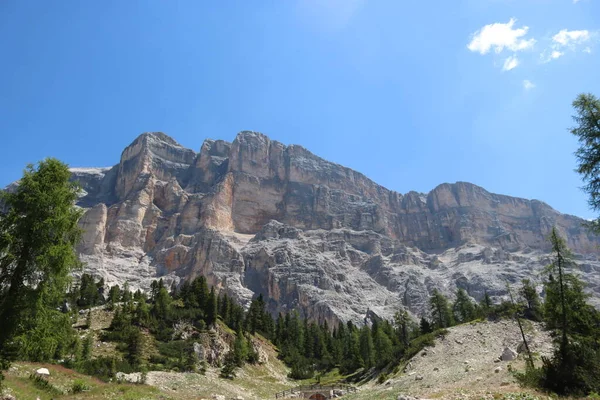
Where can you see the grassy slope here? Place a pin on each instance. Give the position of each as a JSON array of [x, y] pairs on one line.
[[252, 381]]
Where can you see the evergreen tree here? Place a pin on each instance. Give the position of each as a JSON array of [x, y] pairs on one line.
[[402, 321], [240, 348], [88, 320], [86, 349], [211, 308], [114, 295], [38, 235], [425, 326], [533, 308], [126, 295], [587, 130], [367, 350], [352, 360], [135, 344], [575, 366], [383, 348], [440, 310], [485, 305], [463, 308]]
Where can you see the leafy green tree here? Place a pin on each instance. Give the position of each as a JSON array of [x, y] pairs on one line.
[[587, 131], [440, 310], [38, 235], [464, 310], [425, 326]]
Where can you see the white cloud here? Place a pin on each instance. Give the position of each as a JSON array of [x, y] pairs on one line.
[[588, 50], [499, 36], [566, 40], [566, 37], [528, 85], [510, 63]]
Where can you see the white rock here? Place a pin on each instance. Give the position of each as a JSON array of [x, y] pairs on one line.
[[498, 369], [43, 371]]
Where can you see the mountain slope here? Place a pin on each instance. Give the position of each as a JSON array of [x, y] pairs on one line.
[[256, 216]]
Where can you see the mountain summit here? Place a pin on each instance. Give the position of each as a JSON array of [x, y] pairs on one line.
[[256, 216]]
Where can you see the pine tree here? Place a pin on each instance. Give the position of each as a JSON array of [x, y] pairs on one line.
[[88, 320], [485, 305], [383, 348], [114, 295], [367, 350], [211, 308], [463, 308], [135, 344], [440, 310], [38, 235], [587, 130], [240, 348], [86, 348], [532, 299], [575, 366]]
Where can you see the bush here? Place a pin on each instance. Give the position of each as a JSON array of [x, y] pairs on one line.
[[79, 386]]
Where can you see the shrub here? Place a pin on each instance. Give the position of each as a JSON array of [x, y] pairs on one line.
[[79, 386]]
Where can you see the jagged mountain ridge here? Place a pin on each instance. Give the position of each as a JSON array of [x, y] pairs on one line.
[[256, 216]]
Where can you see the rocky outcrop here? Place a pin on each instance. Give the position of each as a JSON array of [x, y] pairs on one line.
[[256, 216]]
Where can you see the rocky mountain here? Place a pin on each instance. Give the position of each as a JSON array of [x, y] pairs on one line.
[[256, 216]]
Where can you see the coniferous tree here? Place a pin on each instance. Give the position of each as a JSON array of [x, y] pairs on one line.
[[86, 348], [485, 305], [114, 295], [211, 308], [383, 348], [533, 308], [38, 235], [464, 310], [367, 350], [575, 366], [440, 310], [240, 348], [425, 326], [587, 130]]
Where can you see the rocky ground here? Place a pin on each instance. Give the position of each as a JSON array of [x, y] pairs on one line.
[[465, 364]]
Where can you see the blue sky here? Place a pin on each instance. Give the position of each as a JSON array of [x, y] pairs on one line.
[[412, 94]]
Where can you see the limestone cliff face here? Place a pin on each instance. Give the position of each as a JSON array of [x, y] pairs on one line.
[[256, 216]]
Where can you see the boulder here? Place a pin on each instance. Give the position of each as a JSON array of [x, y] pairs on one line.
[[43, 372], [509, 354]]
